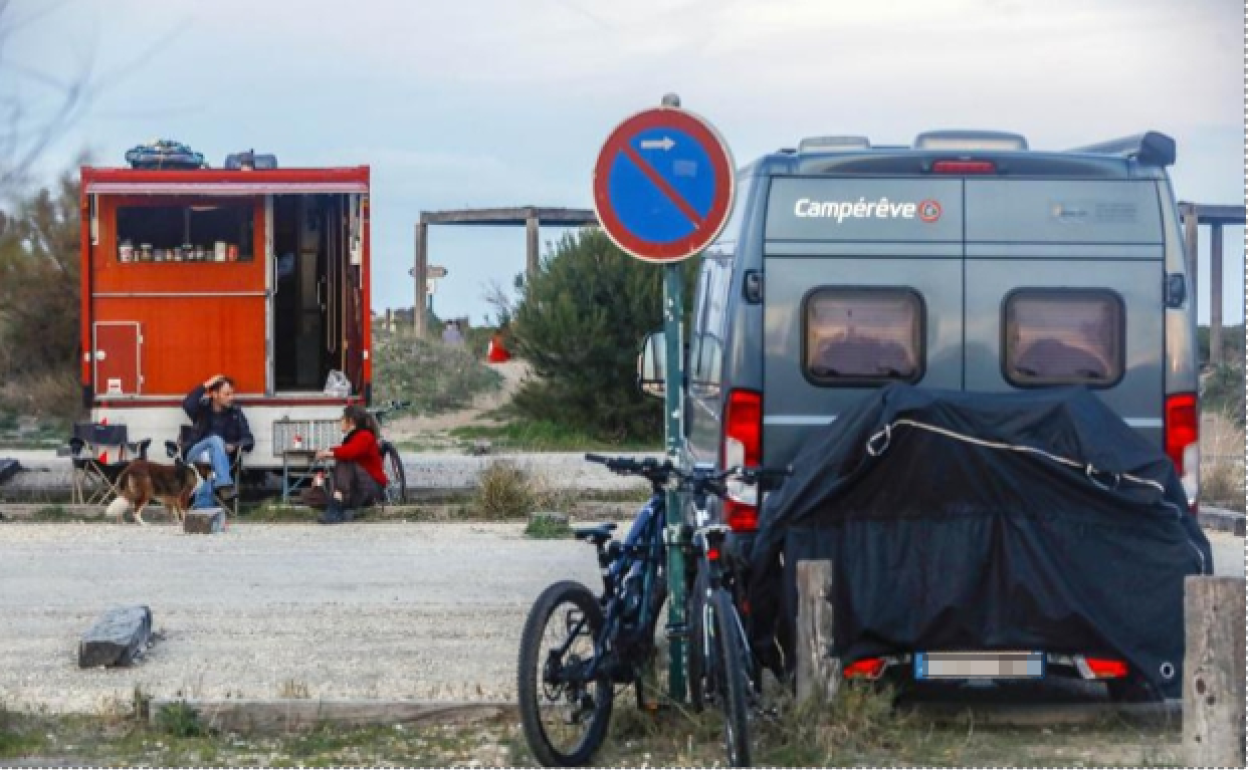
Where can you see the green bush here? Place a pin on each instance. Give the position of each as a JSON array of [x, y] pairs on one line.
[[434, 377], [1223, 391], [39, 312], [1232, 343], [579, 324]]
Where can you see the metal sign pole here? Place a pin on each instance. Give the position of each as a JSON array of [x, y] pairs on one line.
[[673, 155], [673, 313]]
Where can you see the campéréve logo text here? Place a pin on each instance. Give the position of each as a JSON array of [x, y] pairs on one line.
[[927, 210]]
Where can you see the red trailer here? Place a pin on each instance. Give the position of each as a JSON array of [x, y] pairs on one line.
[[259, 274]]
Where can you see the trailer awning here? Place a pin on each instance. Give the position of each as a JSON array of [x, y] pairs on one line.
[[96, 187]]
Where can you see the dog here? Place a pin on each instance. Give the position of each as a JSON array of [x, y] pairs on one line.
[[143, 481]]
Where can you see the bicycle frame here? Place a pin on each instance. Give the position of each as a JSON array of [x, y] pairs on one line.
[[639, 555]]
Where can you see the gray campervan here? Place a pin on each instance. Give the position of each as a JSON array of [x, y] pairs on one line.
[[966, 261]]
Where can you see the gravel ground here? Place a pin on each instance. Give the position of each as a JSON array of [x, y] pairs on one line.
[[42, 470], [376, 610], [364, 611]]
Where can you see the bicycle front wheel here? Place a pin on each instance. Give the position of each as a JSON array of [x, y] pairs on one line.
[[564, 714], [730, 679]]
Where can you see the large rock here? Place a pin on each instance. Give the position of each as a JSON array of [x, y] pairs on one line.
[[118, 638], [204, 521]]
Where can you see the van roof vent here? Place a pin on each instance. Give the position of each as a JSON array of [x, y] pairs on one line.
[[970, 140], [834, 143]]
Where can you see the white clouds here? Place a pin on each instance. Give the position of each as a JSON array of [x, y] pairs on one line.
[[487, 102]]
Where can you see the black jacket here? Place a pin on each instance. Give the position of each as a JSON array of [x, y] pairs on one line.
[[230, 425]]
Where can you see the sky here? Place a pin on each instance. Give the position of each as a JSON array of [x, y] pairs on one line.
[[478, 103]]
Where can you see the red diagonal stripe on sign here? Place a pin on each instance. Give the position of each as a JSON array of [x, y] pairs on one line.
[[664, 187]]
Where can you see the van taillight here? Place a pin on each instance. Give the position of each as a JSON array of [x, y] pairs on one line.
[[1183, 442], [743, 445], [964, 167]]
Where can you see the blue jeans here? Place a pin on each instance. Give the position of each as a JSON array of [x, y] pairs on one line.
[[214, 447]]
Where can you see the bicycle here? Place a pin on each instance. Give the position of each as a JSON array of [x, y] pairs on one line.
[[396, 479], [577, 647], [721, 668]]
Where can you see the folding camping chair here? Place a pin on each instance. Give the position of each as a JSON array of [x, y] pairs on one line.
[[91, 446], [179, 448]]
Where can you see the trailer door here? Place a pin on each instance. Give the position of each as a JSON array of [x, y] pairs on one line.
[[863, 286], [1064, 283], [118, 359]]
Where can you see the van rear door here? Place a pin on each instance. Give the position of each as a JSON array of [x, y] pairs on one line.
[[1064, 282], [863, 286]]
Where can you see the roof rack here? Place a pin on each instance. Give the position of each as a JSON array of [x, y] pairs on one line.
[[1151, 147], [833, 143], [970, 140]]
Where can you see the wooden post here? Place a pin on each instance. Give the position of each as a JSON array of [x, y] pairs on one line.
[[818, 673], [1191, 234], [389, 320], [1213, 672], [532, 253], [419, 274], [1215, 294]]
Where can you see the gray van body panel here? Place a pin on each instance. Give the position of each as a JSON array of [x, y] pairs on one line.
[[1066, 221]]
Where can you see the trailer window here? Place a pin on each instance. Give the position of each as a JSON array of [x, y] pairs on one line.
[[863, 336], [186, 233], [1063, 337]]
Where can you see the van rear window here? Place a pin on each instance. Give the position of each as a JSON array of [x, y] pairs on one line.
[[863, 336], [1063, 337]]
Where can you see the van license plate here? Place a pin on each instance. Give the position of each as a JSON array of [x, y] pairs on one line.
[[979, 665]]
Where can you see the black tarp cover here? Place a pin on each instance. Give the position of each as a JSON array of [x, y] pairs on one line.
[[944, 542]]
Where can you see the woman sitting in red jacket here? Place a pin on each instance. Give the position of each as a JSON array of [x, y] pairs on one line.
[[359, 479]]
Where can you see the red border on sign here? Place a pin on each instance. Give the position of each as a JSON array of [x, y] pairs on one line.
[[712, 224]]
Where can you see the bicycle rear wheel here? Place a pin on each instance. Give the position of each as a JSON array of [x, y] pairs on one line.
[[730, 679], [564, 715], [396, 479]]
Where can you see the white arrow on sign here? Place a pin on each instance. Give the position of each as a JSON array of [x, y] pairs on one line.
[[664, 144]]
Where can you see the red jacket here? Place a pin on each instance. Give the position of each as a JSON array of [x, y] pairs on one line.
[[360, 446]]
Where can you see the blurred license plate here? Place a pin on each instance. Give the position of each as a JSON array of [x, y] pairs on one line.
[[979, 665]]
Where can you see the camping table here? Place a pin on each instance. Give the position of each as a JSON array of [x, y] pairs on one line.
[[307, 466]]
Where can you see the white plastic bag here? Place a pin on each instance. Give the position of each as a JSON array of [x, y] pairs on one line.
[[337, 384]]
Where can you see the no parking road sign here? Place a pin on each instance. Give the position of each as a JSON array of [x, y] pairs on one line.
[[663, 185]]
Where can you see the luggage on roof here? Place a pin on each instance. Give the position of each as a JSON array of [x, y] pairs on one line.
[[164, 154]]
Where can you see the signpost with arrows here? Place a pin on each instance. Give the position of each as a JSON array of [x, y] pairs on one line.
[[663, 187]]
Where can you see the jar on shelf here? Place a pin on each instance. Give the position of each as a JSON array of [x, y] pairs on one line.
[[125, 252], [145, 252]]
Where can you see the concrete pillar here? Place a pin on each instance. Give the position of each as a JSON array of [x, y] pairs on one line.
[[419, 271], [532, 244], [1191, 233], [1215, 294]]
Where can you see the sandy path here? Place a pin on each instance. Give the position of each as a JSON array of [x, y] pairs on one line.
[[434, 428]]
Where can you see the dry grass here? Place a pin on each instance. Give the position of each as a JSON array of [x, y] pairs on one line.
[[1222, 462], [43, 395], [505, 491], [293, 689]]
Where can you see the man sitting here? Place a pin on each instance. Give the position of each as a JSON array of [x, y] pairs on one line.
[[219, 430]]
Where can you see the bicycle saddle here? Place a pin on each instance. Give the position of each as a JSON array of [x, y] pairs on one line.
[[597, 534]]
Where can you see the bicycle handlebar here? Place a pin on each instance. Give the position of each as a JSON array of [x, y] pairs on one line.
[[700, 481], [392, 406]]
